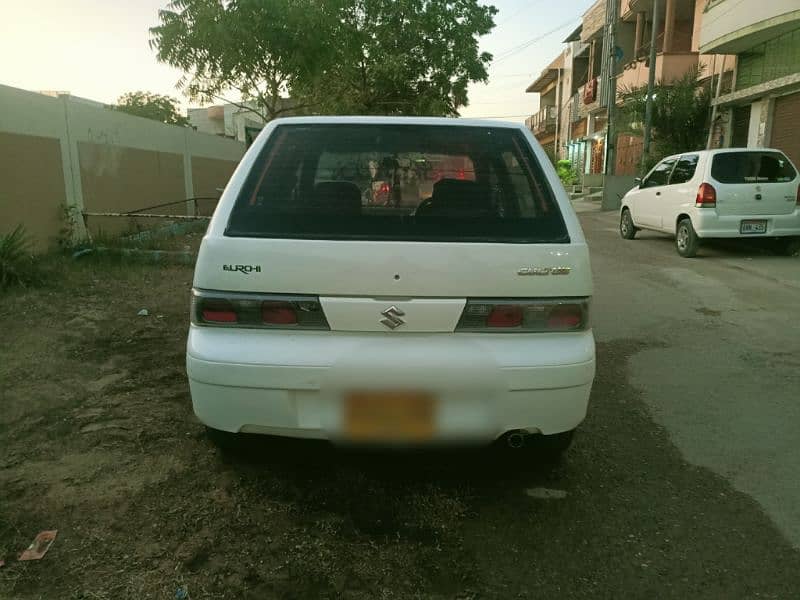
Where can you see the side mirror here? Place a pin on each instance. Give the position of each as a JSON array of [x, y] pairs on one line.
[[637, 181]]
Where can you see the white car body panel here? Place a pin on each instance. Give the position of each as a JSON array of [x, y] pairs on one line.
[[658, 208], [292, 382]]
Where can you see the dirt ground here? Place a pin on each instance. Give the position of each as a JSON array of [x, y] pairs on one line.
[[98, 441]]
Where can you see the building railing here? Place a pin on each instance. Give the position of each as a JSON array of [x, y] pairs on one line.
[[542, 120]]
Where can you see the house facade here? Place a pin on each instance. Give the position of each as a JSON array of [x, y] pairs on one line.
[[762, 108], [588, 59]]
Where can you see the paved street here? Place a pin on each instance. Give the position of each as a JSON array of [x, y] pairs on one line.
[[719, 365]]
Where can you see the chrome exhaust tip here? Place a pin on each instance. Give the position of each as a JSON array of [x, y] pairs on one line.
[[515, 440]]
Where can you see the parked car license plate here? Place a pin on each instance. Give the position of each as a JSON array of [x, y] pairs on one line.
[[753, 226], [389, 416]]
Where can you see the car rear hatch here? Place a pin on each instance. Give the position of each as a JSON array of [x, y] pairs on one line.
[[488, 227], [754, 182]]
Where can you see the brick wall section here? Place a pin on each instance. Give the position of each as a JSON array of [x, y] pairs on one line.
[[594, 20]]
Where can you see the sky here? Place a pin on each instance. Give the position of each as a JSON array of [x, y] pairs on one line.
[[98, 49]]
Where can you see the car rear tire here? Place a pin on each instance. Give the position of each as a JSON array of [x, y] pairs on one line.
[[546, 449], [686, 241], [787, 246], [551, 448], [626, 227], [224, 440]]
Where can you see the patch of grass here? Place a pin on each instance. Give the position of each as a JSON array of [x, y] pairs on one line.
[[17, 263]]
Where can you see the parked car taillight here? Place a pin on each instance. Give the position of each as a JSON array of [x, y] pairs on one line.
[[559, 314], [798, 195], [268, 311], [706, 196]]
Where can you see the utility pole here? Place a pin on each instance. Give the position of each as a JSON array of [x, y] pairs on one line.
[[651, 80], [716, 95], [610, 93]]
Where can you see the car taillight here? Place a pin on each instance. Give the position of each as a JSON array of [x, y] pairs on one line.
[[218, 311], [266, 311], [384, 189], [706, 196], [278, 313], [798, 195], [505, 316], [561, 314]]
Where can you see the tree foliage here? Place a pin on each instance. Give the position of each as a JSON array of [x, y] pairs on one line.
[[680, 115], [335, 57], [151, 106]]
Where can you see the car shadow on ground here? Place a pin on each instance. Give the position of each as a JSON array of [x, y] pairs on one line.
[[487, 464], [717, 248]]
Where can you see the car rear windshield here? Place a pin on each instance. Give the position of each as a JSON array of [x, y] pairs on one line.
[[752, 167], [397, 182]]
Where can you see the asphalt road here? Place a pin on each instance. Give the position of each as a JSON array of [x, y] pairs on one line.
[[719, 368]]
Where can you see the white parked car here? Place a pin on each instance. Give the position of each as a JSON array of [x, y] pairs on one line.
[[463, 317], [727, 193]]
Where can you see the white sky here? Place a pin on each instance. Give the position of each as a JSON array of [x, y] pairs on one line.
[[99, 49]]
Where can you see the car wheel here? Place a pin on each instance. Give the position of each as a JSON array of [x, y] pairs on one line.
[[224, 440], [626, 227], [548, 449], [551, 448], [686, 241], [787, 246]]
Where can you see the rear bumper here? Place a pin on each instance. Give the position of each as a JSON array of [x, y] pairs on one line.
[[708, 224], [293, 384]]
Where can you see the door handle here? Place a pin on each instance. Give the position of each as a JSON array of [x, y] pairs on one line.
[[658, 193]]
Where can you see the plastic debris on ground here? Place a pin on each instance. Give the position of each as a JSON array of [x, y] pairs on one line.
[[39, 546], [541, 493], [143, 313]]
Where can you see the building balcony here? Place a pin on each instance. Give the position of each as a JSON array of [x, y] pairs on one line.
[[543, 122], [669, 67], [731, 29], [587, 98]]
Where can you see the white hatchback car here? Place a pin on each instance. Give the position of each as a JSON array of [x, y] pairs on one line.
[[462, 317], [728, 193]]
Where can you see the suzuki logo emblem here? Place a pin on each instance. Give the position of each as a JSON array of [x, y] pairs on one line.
[[393, 320]]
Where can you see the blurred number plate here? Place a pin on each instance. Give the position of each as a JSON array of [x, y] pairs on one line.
[[387, 416], [753, 226]]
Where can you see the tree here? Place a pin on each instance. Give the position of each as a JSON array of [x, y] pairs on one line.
[[680, 115], [151, 106], [334, 57]]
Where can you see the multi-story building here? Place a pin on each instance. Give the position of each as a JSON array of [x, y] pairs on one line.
[[585, 65], [763, 108], [545, 124]]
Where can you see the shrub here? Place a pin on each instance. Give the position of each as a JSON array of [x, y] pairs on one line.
[[17, 265], [566, 172]]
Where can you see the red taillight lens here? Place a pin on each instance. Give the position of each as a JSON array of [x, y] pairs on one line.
[[384, 189], [218, 311], [278, 313], [505, 315], [706, 196], [257, 311], [565, 316], [798, 195], [530, 315]]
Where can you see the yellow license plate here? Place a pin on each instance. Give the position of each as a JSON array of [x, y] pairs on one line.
[[389, 416]]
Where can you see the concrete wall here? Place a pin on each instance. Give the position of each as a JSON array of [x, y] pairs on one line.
[[32, 189], [729, 26], [57, 155]]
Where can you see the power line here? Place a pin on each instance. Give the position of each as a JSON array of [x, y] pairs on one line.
[[520, 47], [526, 5]]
